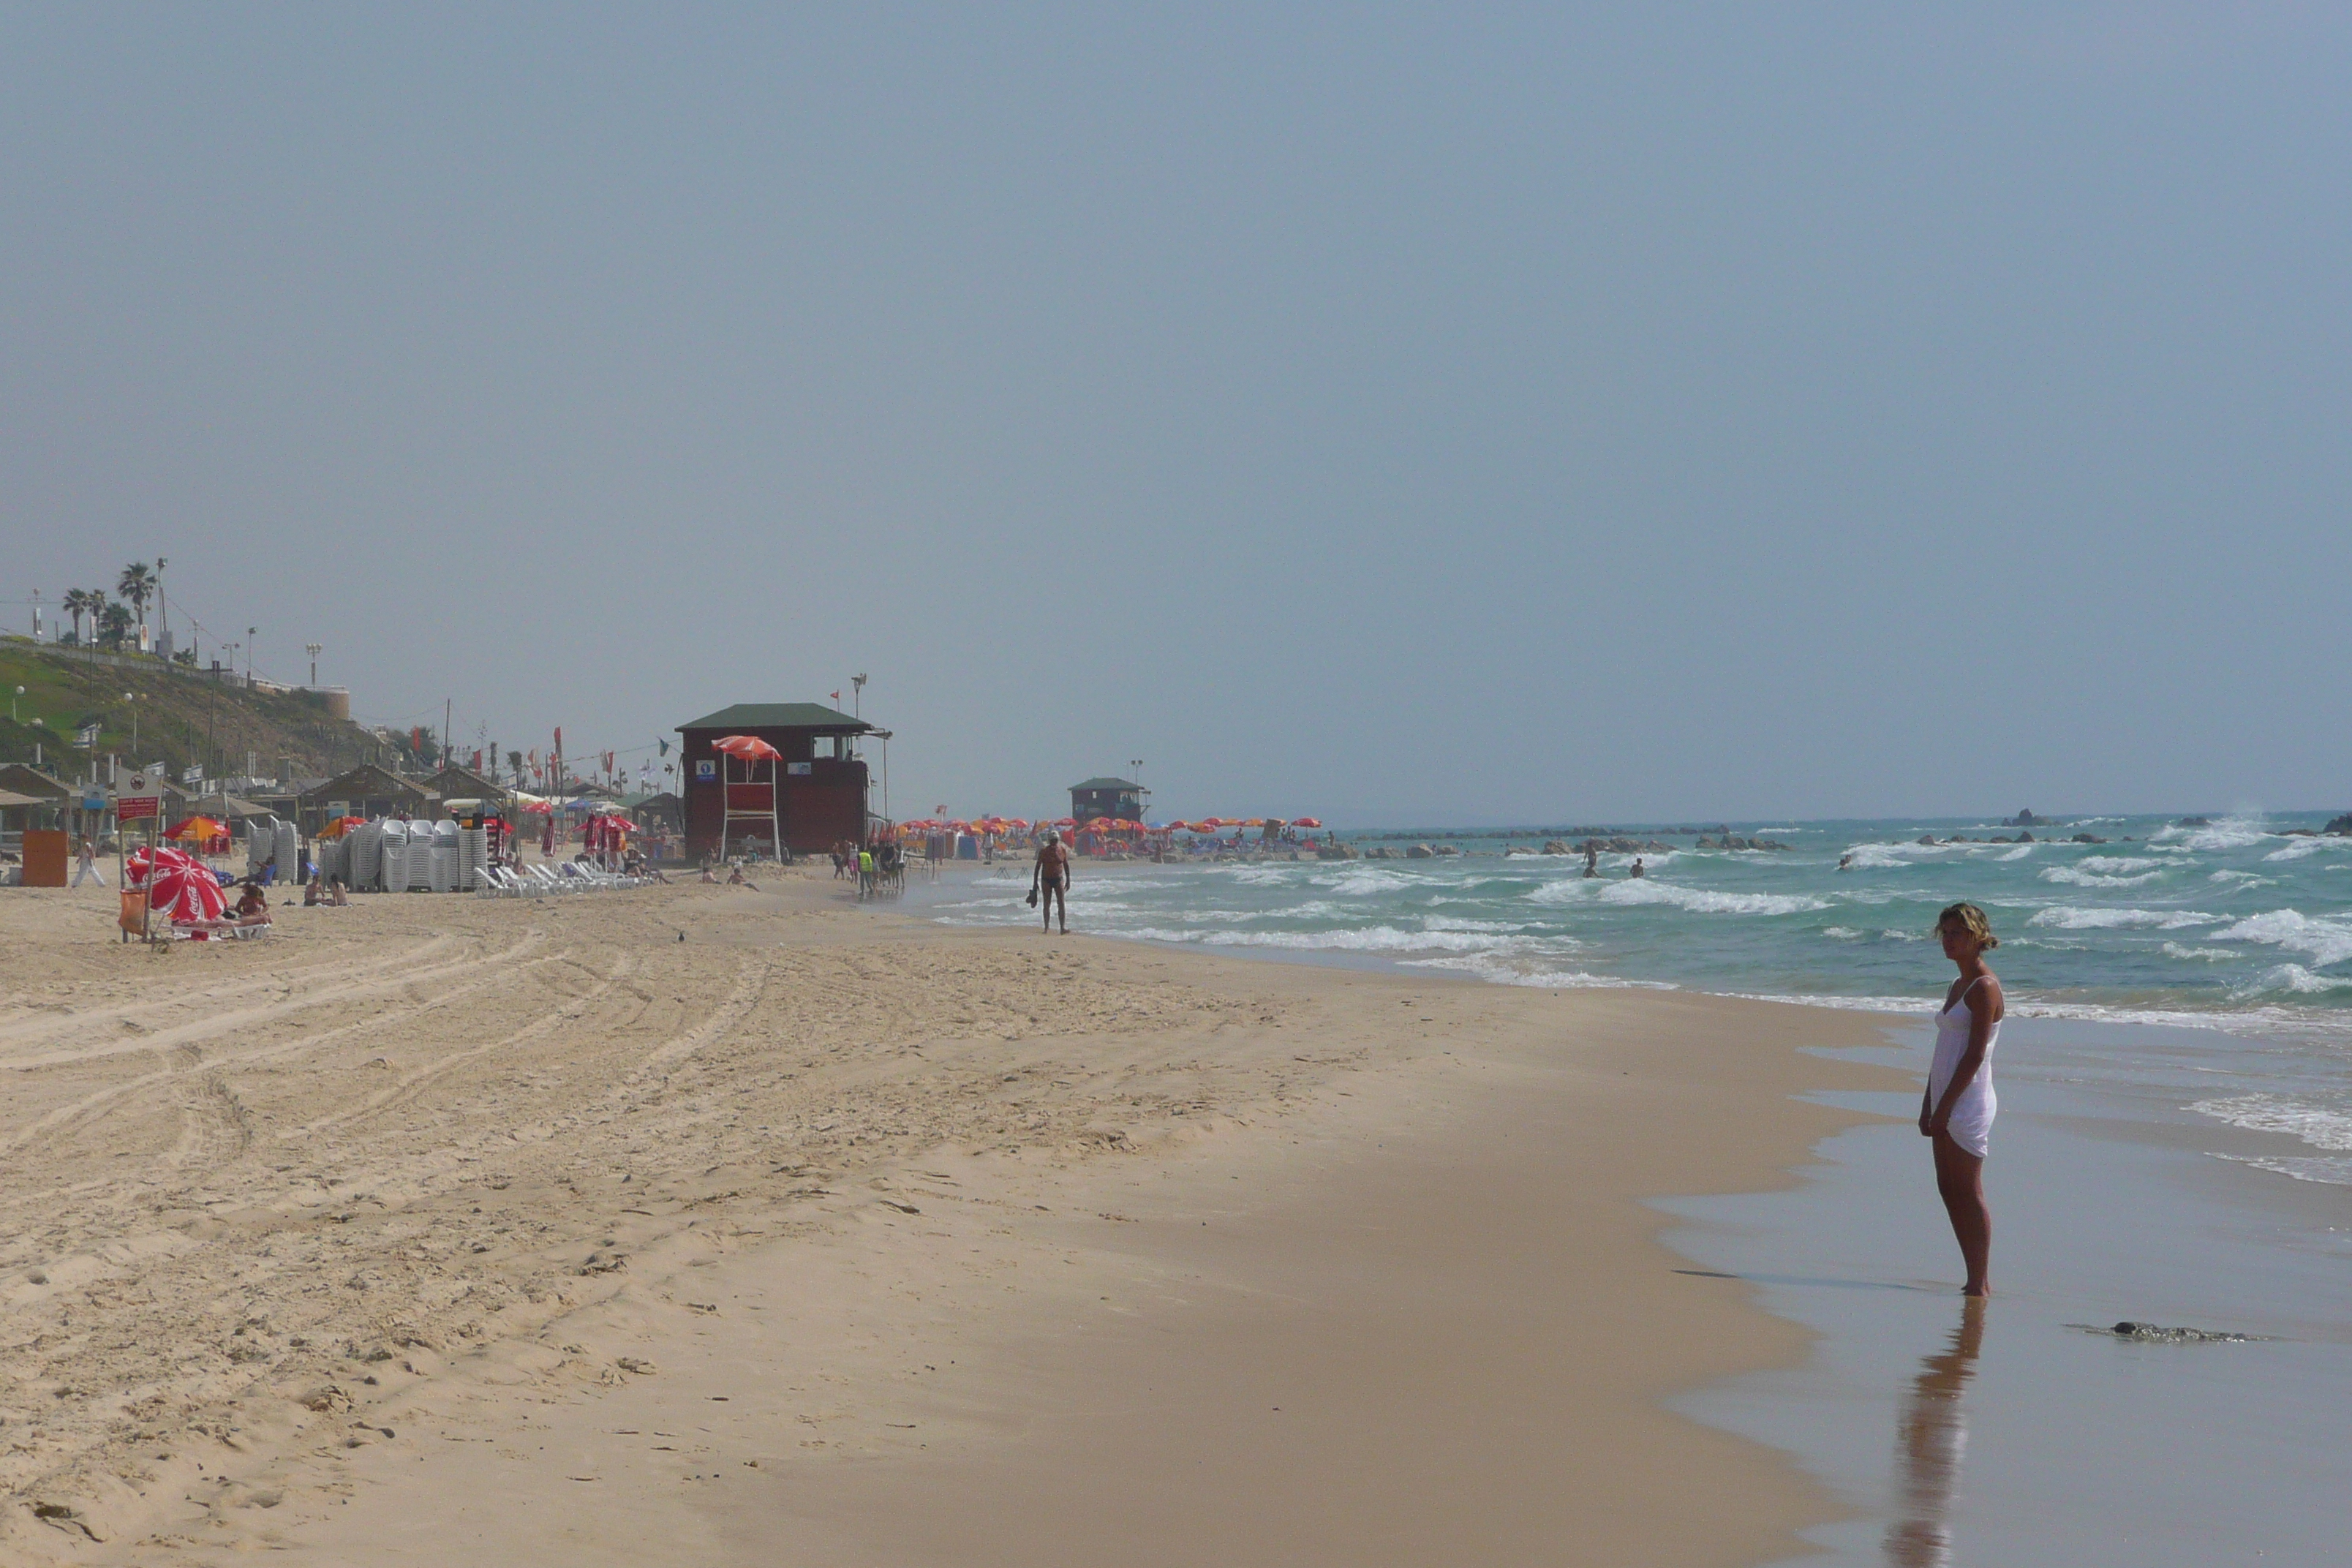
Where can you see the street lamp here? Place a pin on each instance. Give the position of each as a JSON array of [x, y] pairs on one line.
[[312, 650], [251, 633], [132, 698]]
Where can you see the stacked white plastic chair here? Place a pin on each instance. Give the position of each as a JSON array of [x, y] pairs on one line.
[[441, 869], [289, 852], [473, 857], [364, 859], [393, 877]]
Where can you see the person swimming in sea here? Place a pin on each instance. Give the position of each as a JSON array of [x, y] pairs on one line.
[[1637, 871], [1956, 1111]]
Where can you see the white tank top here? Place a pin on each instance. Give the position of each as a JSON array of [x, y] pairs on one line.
[[1970, 1123]]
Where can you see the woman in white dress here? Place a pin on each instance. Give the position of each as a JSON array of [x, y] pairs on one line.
[[1955, 1113]]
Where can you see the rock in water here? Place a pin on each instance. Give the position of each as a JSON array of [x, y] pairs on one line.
[[2152, 1334]]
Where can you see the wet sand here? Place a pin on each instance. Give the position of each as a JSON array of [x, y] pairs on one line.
[[2016, 1433], [457, 1230]]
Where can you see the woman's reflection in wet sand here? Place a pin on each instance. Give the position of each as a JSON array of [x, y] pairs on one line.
[[1930, 1439]]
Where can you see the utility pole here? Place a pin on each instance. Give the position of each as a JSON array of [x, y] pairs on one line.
[[312, 650], [251, 633], [446, 704], [857, 696]]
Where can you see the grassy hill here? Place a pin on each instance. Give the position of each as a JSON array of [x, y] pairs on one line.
[[183, 717]]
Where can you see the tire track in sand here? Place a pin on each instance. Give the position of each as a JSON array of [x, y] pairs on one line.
[[247, 1017], [65, 1118], [414, 1082], [54, 1021]]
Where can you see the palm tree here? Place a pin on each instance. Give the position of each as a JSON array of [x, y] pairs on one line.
[[137, 585], [113, 625], [75, 602]]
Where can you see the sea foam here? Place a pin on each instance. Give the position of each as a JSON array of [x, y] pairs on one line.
[[2073, 917], [2316, 1125], [2103, 873], [2325, 941]]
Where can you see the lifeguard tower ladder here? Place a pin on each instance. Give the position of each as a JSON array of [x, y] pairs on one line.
[[744, 795]]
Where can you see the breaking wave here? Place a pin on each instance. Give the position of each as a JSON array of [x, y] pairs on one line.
[[2325, 941], [2071, 917]]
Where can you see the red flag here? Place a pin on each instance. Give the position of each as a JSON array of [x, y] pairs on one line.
[[836, 697]]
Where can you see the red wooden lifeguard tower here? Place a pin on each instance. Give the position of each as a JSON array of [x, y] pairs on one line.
[[815, 791]]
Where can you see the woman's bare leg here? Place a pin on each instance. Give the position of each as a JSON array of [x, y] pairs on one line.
[[1959, 1178]]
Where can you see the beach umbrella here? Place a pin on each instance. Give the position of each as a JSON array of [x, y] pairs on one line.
[[746, 748], [1066, 822], [341, 826], [540, 807], [1251, 822], [184, 890], [198, 828], [1306, 822]]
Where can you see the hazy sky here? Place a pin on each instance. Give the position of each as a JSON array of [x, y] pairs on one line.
[[1453, 413]]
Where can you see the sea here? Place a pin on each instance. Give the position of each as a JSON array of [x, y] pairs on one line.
[[2238, 925], [2174, 1147]]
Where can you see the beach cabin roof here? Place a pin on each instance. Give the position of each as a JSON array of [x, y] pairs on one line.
[[1095, 784], [10, 800], [658, 797], [25, 779], [747, 716], [456, 782], [235, 808], [368, 782]]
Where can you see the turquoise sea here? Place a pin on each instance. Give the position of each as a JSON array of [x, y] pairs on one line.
[[2241, 925]]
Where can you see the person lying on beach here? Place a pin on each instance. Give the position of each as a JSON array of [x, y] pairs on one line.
[[1049, 881], [1956, 1111]]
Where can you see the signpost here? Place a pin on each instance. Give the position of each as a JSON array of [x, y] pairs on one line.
[[138, 797]]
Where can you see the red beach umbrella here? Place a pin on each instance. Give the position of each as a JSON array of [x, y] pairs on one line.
[[746, 748], [1306, 822], [183, 891]]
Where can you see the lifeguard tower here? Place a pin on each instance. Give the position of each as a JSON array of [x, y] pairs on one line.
[[750, 791]]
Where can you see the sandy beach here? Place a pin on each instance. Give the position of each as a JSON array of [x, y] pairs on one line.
[[727, 1226]]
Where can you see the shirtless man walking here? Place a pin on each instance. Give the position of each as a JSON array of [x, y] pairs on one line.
[[1050, 881]]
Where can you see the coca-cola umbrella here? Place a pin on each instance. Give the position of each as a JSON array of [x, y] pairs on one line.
[[184, 890]]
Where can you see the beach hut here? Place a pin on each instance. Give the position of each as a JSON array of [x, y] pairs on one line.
[[1107, 797], [814, 789]]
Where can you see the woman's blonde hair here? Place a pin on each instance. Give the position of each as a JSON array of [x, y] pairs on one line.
[[1972, 920]]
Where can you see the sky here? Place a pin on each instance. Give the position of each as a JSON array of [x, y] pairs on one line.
[[1450, 414]]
